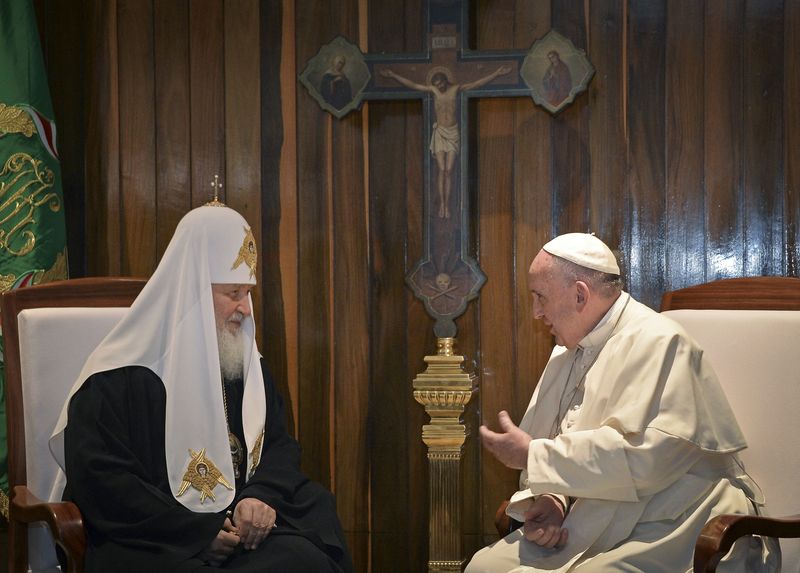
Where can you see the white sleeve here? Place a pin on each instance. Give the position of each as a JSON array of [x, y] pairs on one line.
[[603, 464]]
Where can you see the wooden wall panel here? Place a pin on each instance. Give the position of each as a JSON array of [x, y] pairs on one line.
[[350, 436], [313, 23], [137, 137], [207, 102], [685, 95], [645, 120], [570, 135], [102, 140], [762, 71], [279, 200], [723, 138], [172, 108], [683, 154], [391, 434], [400, 333], [607, 137]]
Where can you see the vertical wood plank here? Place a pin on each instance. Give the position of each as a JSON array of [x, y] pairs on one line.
[[102, 140], [278, 247], [390, 428], [570, 134], [646, 37], [762, 203], [391, 380], [723, 138], [314, 286], [350, 469], [137, 137], [279, 131], [351, 373], [242, 112], [684, 210], [606, 133], [243, 129], [172, 104], [791, 137], [206, 73]]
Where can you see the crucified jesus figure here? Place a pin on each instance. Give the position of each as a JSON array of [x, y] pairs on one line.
[[445, 140]]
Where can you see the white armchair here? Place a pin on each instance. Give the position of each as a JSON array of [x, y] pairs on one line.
[[49, 330], [749, 328]]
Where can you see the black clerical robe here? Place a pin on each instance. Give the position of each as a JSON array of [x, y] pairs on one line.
[[117, 475]]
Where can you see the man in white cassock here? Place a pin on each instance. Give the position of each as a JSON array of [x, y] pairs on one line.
[[173, 439], [628, 446]]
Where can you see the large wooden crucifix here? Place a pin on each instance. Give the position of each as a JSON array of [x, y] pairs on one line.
[[445, 76]]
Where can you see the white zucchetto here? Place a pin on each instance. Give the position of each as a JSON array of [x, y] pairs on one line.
[[585, 250]]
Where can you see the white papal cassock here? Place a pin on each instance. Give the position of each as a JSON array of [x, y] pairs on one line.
[[633, 429]]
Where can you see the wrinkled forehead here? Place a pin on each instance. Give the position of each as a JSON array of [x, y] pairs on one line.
[[542, 272]]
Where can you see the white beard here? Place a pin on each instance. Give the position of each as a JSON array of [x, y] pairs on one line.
[[231, 354]]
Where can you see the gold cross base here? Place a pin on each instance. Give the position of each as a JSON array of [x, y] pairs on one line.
[[444, 389]]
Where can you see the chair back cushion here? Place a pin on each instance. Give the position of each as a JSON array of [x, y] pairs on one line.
[[54, 344], [756, 355]]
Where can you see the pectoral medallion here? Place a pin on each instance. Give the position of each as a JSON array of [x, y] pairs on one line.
[[237, 453]]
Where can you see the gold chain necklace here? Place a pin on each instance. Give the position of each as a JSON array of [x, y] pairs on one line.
[[235, 444]]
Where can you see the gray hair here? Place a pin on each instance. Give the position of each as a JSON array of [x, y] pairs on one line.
[[606, 284]]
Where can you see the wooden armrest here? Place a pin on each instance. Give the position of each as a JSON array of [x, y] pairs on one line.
[[501, 520], [720, 533], [63, 518]]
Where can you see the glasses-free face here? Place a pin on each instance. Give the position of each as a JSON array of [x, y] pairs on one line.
[[231, 305]]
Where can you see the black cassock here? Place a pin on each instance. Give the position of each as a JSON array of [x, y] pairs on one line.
[[117, 475]]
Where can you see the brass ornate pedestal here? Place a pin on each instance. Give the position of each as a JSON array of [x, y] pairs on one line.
[[444, 389]]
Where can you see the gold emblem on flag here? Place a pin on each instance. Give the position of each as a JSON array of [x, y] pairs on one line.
[[202, 474], [247, 253], [24, 187], [14, 119]]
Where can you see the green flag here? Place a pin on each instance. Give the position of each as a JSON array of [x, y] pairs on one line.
[[32, 231]]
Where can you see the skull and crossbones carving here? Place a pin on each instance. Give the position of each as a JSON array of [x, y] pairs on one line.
[[443, 282]]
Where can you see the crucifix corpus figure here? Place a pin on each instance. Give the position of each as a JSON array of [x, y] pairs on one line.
[[445, 139]]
